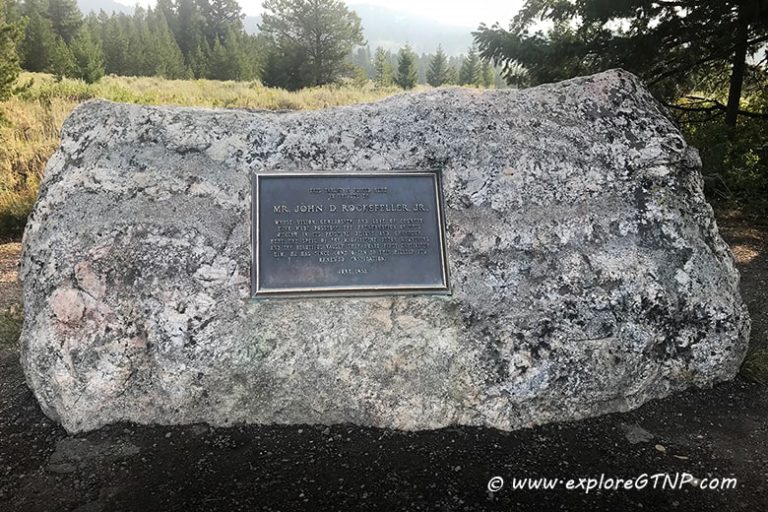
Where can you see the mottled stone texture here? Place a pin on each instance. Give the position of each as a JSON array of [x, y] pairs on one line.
[[588, 274]]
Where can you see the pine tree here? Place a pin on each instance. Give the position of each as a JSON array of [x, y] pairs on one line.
[[168, 9], [9, 59], [254, 54], [63, 63], [471, 72], [362, 59], [453, 75], [311, 39], [671, 44], [37, 44], [406, 68], [89, 58], [198, 60], [188, 28], [487, 75], [65, 18], [226, 61], [438, 73], [422, 66], [220, 17], [283, 68], [169, 40], [382, 68], [218, 67], [168, 60], [233, 42], [114, 43], [138, 60]]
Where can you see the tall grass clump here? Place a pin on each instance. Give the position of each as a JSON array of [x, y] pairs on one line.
[[29, 133]]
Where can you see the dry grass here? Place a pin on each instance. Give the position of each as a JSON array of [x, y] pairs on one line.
[[30, 121], [201, 93]]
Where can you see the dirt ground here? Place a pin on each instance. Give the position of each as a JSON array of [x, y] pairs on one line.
[[749, 244], [10, 289], [710, 434]]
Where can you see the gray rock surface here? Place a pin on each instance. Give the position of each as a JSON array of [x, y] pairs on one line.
[[588, 274]]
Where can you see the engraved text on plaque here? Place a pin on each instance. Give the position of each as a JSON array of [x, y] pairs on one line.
[[319, 234]]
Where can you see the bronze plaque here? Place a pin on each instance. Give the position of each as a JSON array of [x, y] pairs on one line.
[[348, 234]]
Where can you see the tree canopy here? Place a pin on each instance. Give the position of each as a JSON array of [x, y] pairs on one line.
[[175, 39], [669, 43], [471, 69], [9, 60], [383, 73], [308, 41], [439, 71], [406, 77], [65, 18]]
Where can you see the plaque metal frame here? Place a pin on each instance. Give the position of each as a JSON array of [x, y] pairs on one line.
[[336, 291]]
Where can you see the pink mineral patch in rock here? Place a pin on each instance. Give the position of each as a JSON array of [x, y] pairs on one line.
[[89, 281], [67, 305]]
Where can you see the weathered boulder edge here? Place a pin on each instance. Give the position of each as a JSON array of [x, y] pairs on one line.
[[587, 272]]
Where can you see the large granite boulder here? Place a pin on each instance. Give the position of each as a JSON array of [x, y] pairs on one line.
[[587, 271]]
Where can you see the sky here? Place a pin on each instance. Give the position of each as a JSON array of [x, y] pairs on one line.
[[468, 13]]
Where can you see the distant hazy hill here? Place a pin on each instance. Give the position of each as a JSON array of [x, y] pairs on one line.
[[392, 29], [381, 26], [107, 6]]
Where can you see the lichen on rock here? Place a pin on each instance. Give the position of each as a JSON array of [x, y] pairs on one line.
[[587, 271]]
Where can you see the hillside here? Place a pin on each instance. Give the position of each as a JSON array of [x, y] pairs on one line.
[[391, 29]]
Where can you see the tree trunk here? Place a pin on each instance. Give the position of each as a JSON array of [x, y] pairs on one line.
[[737, 69]]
